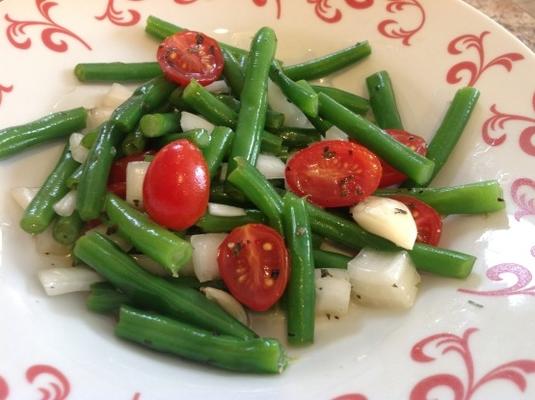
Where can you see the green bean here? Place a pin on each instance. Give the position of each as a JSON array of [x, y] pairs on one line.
[[177, 100], [170, 336], [193, 282], [451, 129], [72, 181], [89, 138], [298, 137], [274, 119], [199, 137], [105, 299], [230, 101], [328, 259], [154, 125], [152, 292], [320, 124], [40, 212], [67, 229], [330, 63], [257, 189], [92, 185], [350, 101], [133, 143], [153, 240], [473, 198], [383, 101], [127, 115], [233, 73], [226, 193], [220, 144], [301, 290], [15, 139], [117, 72], [381, 143], [216, 224]]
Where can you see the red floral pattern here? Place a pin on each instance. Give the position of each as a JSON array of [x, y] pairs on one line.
[[476, 69], [463, 389], [390, 27], [351, 396], [5, 89], [262, 3], [17, 36], [119, 17], [4, 389], [524, 201], [59, 387]]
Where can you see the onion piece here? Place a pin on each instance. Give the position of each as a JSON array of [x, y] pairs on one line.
[[335, 133], [66, 205], [110, 233], [293, 116], [58, 281], [46, 244], [157, 269], [135, 175], [227, 302], [333, 291], [115, 96], [205, 249], [270, 166], [218, 87], [190, 121], [222, 210], [78, 152], [97, 116], [223, 172], [23, 196]]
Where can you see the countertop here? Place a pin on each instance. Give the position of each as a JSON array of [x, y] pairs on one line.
[[518, 16]]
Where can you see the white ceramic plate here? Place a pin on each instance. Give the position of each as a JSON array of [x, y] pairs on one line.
[[468, 339]]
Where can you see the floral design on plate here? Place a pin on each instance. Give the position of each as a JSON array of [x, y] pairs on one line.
[[391, 28], [351, 396], [119, 17], [497, 122], [55, 385], [17, 36], [4, 389], [464, 388], [5, 89], [523, 194], [475, 69]]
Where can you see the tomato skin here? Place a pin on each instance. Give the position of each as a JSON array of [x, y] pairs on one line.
[[428, 221], [392, 176], [190, 55], [177, 185], [334, 173], [253, 263]]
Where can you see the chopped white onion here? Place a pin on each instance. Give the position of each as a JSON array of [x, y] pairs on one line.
[[110, 233], [333, 248], [23, 195], [157, 269], [97, 116], [46, 244], [205, 248], [223, 172], [227, 302], [337, 273], [218, 87], [135, 175], [293, 116], [270, 166], [333, 291], [335, 133], [222, 210], [58, 281], [115, 96], [190, 121], [387, 218], [386, 279], [78, 152], [66, 205]]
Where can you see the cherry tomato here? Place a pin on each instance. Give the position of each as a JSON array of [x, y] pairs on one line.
[[428, 221], [334, 173], [190, 55], [118, 189], [253, 263], [177, 185], [392, 176]]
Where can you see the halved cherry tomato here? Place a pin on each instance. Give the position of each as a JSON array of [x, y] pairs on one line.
[[177, 185], [253, 263], [334, 173], [190, 55], [392, 176], [428, 221]]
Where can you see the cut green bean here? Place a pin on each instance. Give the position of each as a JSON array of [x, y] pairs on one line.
[[193, 283], [170, 336], [67, 229], [199, 137], [220, 144], [117, 72], [152, 292], [154, 125], [226, 193], [274, 119], [298, 137], [329, 63], [233, 73], [89, 138], [153, 240], [383, 101], [217, 224], [73, 180], [351, 101], [473, 198], [177, 100], [257, 189], [301, 289], [133, 143], [328, 259], [105, 299], [92, 185], [18, 138], [40, 212], [401, 157]]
